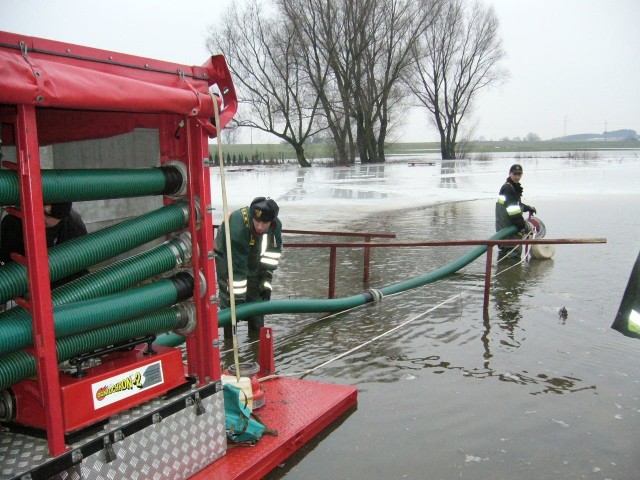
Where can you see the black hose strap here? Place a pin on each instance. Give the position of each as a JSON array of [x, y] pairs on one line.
[[372, 295], [183, 282], [172, 178]]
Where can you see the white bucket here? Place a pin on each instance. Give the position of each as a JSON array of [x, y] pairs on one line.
[[542, 252], [244, 385]]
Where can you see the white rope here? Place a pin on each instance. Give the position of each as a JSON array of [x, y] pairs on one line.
[[227, 231], [384, 334]]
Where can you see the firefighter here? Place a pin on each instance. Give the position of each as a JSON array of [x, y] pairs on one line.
[[509, 210], [256, 243], [62, 223]]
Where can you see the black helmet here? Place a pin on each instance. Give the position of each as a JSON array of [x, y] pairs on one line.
[[515, 168], [264, 209], [60, 210]]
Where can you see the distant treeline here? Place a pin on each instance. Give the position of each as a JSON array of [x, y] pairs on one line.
[[278, 154], [257, 158]]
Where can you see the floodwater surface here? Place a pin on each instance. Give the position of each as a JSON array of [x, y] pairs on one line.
[[523, 392]]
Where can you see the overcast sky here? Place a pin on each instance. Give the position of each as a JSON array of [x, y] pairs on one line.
[[574, 64]]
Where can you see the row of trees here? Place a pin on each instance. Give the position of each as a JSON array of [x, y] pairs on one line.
[[350, 69]]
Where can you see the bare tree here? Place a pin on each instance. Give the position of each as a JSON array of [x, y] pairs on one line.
[[320, 34], [271, 82], [230, 132], [457, 56], [356, 53], [393, 31]]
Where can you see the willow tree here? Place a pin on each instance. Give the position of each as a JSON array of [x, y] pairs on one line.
[[457, 56], [274, 92]]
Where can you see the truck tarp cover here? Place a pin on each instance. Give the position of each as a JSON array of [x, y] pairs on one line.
[[52, 74]]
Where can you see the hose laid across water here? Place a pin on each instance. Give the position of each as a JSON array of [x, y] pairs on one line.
[[339, 304]]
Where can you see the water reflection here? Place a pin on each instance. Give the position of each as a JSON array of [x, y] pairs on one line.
[[447, 174], [298, 192], [350, 182]]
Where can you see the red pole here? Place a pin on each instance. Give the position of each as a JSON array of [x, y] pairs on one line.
[[487, 278], [202, 259], [332, 272], [37, 265], [265, 353], [367, 257]]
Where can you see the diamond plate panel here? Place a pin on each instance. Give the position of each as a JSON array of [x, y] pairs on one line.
[[174, 448]]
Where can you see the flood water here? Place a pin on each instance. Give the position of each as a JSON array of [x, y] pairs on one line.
[[523, 393]]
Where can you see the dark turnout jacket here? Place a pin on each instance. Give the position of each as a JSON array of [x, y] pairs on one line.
[[255, 257], [12, 238], [509, 207]]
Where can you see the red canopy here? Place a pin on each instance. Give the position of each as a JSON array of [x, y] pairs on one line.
[[58, 77]]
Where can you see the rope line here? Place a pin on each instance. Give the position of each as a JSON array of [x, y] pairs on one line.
[[397, 327]]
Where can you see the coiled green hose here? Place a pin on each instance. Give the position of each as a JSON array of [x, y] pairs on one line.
[[77, 317], [82, 252], [338, 304], [94, 184]]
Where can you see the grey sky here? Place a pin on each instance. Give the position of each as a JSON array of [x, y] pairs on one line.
[[573, 63]]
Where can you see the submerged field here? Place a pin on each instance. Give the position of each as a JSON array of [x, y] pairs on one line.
[[523, 392], [283, 152]]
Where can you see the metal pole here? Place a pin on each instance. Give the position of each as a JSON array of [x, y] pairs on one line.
[[36, 262], [367, 257], [332, 272], [487, 278]]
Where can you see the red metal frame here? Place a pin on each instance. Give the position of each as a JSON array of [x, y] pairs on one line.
[[45, 98], [37, 264]]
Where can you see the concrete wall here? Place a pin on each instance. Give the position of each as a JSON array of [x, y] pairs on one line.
[[134, 150]]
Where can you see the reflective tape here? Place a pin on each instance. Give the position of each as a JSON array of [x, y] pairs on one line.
[[240, 286], [514, 210], [634, 321], [267, 285], [269, 261]]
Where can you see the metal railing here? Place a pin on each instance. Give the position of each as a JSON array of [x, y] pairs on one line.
[[489, 243]]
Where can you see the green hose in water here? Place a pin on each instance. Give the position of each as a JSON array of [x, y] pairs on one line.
[[77, 317], [17, 366], [73, 185], [339, 304], [82, 252]]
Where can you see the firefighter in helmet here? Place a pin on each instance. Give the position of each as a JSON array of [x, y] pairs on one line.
[[509, 210], [256, 245]]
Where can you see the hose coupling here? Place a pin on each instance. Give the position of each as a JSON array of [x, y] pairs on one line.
[[372, 295], [176, 176], [186, 316], [180, 245]]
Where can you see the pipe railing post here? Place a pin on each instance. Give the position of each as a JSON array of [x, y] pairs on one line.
[[487, 278], [367, 257], [332, 272]]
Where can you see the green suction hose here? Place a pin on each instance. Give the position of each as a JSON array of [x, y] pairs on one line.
[[82, 252], [95, 184], [91, 314], [338, 304], [17, 366], [117, 276]]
